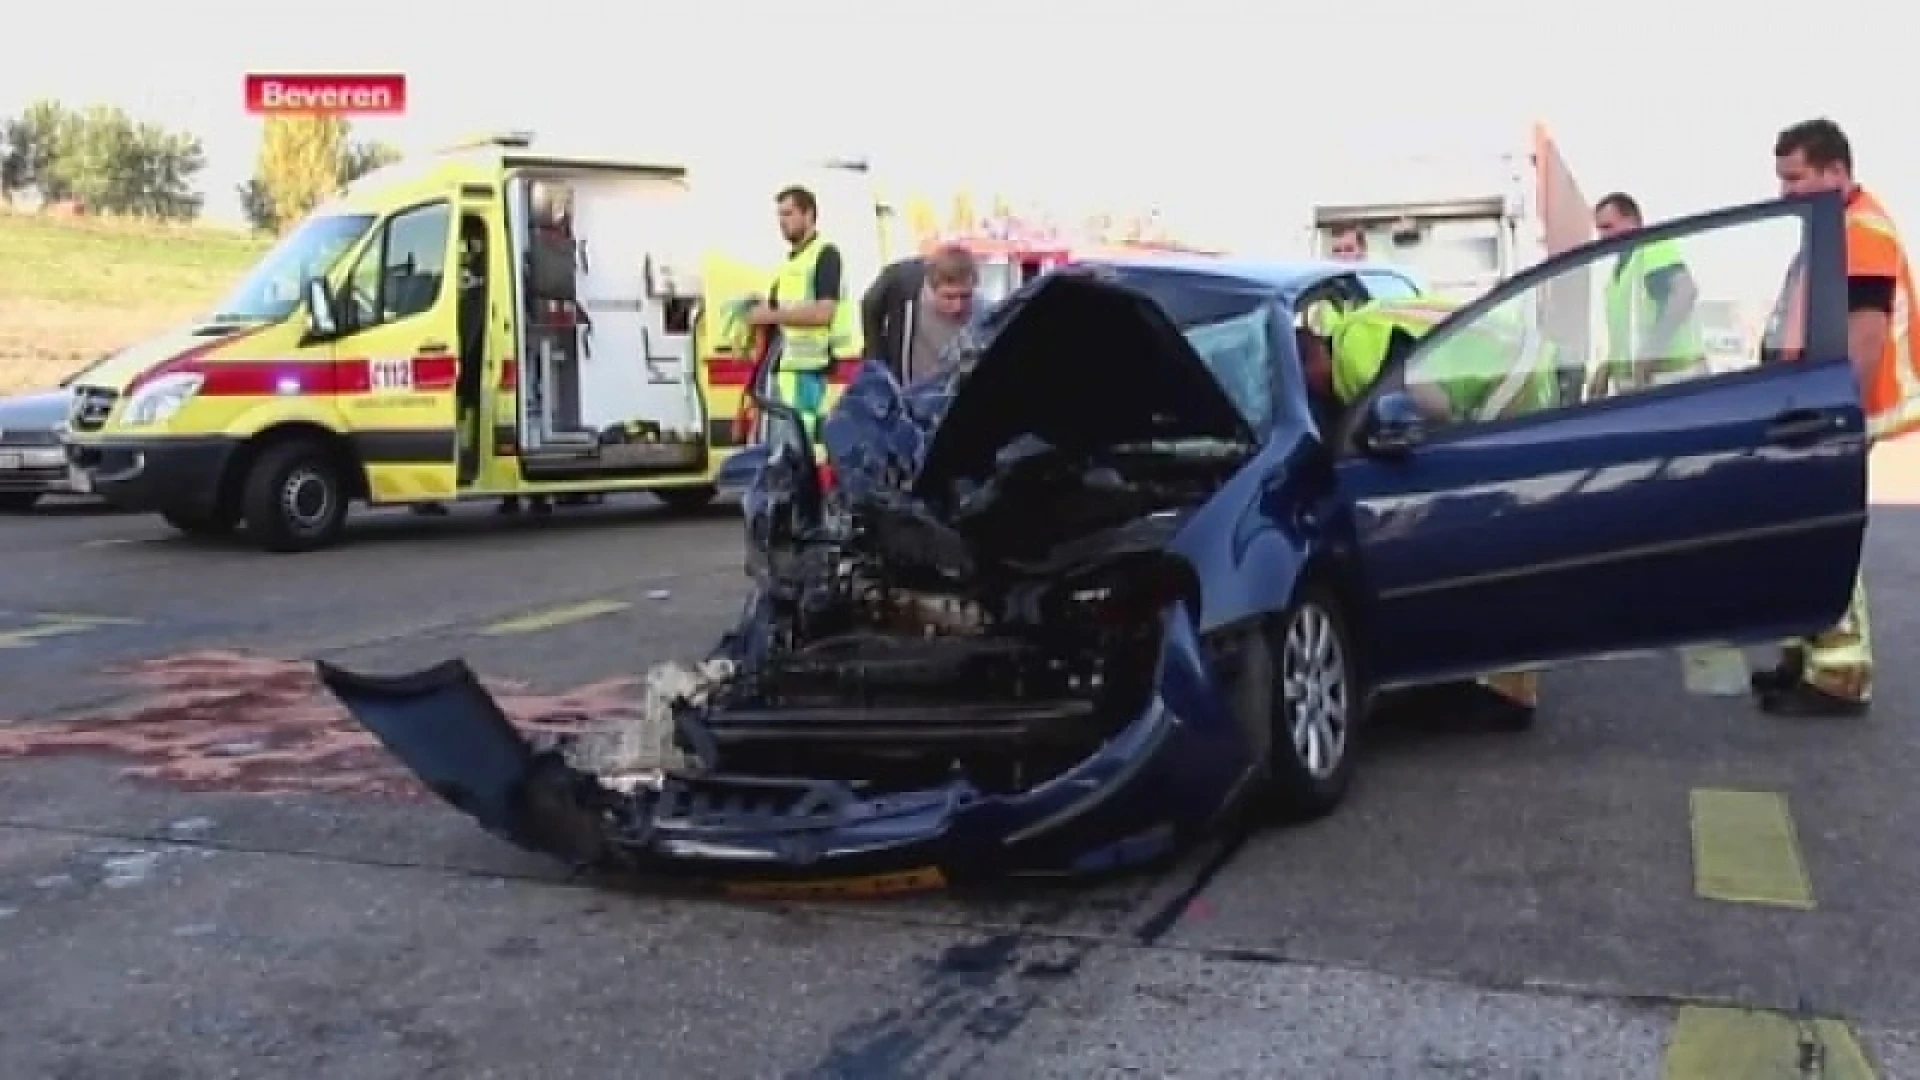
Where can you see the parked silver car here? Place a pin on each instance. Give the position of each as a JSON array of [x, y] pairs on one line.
[[33, 458]]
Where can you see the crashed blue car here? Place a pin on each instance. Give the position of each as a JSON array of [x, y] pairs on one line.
[[1121, 576]]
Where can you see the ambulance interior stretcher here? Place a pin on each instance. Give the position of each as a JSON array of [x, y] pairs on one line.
[[604, 357]]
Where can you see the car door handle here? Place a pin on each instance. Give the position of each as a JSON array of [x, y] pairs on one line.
[[1798, 427], [432, 348]]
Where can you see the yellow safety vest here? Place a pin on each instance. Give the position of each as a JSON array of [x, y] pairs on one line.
[[1493, 369], [814, 348], [1631, 313], [1359, 339]]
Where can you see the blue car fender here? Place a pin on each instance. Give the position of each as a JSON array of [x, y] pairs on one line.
[[1250, 544]]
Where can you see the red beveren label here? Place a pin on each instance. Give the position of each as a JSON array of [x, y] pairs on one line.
[[352, 95]]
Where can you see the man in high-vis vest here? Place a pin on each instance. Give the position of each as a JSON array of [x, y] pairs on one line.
[[1831, 673], [1496, 368], [1490, 370], [1347, 244], [807, 306], [1653, 335]]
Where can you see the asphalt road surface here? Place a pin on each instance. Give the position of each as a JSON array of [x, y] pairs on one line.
[[204, 874]]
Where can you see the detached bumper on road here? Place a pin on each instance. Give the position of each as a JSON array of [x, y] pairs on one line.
[[1157, 783], [156, 475]]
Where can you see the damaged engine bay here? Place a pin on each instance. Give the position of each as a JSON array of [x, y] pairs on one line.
[[892, 649], [929, 617]]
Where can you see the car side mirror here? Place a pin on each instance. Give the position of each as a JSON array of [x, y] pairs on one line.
[[322, 321], [1393, 426]]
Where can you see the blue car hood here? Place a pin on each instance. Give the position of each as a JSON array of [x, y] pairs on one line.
[[1073, 361]]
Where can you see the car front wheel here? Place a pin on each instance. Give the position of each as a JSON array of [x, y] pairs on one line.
[[295, 498], [18, 501], [1317, 705]]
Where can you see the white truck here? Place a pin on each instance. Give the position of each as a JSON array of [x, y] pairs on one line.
[[1460, 216]]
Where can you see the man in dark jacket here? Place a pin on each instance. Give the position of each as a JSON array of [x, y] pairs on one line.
[[916, 307]]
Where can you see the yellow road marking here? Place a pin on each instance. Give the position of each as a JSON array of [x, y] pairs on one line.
[[115, 541], [48, 624], [1745, 850], [560, 616], [87, 620], [1746, 1044]]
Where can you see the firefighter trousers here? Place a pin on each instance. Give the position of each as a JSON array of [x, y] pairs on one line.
[[1839, 661], [1520, 687]]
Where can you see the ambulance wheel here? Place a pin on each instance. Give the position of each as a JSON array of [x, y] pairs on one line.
[[295, 497], [683, 500], [218, 523], [14, 502]]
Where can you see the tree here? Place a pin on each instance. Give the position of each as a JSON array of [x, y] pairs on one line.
[[272, 204], [922, 219], [257, 205], [103, 158], [299, 165], [965, 217], [31, 141], [358, 159]]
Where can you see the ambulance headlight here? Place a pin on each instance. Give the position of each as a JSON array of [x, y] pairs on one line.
[[156, 402]]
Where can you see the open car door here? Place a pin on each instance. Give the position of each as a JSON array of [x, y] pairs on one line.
[[1502, 523]]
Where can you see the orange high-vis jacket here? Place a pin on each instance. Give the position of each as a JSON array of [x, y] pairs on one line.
[[1890, 394]]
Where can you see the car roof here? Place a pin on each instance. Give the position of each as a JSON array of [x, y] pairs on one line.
[[1285, 278]]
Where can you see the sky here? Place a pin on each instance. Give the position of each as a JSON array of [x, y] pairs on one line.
[[1232, 117]]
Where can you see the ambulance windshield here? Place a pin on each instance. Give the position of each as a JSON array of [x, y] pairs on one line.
[[272, 289]]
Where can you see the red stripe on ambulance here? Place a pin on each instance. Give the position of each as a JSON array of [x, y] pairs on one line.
[[316, 378]]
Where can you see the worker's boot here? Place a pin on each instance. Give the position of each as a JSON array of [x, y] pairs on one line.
[[1783, 675], [1808, 700]]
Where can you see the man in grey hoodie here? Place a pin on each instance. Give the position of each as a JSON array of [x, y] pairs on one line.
[[916, 307]]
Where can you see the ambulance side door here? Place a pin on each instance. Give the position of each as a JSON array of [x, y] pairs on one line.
[[395, 358]]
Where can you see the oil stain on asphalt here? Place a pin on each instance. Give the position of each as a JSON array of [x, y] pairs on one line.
[[977, 994]]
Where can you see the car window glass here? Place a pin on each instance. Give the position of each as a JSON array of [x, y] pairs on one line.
[[1648, 316], [1236, 352], [1382, 285], [400, 272]]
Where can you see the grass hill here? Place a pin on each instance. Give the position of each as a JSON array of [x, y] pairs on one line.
[[74, 288]]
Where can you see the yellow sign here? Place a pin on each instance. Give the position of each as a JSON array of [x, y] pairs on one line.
[[923, 879]]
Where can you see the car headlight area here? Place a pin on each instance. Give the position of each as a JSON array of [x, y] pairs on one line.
[[157, 401]]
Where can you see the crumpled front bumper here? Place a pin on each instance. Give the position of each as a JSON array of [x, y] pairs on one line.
[[1162, 780]]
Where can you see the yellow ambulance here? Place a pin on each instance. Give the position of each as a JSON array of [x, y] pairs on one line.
[[485, 322]]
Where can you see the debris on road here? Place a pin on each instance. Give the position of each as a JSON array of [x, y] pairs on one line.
[[130, 868], [643, 742]]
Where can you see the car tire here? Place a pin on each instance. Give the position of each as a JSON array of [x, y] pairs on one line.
[[18, 502], [217, 523], [1317, 706], [295, 497], [686, 500]]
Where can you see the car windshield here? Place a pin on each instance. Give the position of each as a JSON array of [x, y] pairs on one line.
[[271, 290], [1236, 351]]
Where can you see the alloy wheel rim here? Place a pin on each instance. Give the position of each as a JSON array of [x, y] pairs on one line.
[[1316, 695]]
